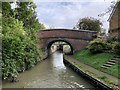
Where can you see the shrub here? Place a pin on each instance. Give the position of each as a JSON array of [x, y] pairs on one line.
[[98, 46], [112, 39], [117, 48], [19, 51], [12, 45]]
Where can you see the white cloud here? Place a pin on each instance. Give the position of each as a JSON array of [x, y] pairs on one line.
[[73, 0], [66, 15]]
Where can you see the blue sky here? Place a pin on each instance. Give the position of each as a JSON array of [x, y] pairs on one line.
[[66, 13]]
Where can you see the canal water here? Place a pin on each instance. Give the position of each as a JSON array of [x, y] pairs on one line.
[[51, 73]]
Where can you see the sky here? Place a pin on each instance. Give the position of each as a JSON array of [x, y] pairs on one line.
[[66, 13]]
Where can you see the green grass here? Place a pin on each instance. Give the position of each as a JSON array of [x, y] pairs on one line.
[[97, 60], [113, 70]]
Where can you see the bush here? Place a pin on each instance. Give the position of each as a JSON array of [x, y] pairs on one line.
[[117, 48], [98, 46], [12, 45], [20, 52]]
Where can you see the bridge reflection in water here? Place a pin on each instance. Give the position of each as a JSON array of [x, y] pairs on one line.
[[51, 73]]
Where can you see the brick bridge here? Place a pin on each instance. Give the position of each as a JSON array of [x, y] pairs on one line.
[[77, 39]]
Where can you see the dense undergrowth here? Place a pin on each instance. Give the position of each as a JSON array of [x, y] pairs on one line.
[[19, 43]]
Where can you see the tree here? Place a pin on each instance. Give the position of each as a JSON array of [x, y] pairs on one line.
[[19, 47], [109, 9], [0, 40], [0, 7], [25, 12], [6, 9], [89, 23]]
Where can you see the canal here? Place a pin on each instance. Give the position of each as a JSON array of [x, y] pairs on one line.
[[51, 73]]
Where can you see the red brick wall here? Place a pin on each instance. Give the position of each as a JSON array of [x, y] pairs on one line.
[[77, 39], [115, 22], [74, 34], [75, 43]]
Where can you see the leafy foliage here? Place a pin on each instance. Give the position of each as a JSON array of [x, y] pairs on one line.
[[117, 48], [25, 11], [19, 49], [11, 41], [98, 46], [6, 9], [0, 24], [89, 23]]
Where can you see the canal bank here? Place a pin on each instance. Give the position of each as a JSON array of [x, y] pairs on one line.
[[98, 78]]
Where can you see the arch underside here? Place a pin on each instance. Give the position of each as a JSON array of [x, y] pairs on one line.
[[49, 43]]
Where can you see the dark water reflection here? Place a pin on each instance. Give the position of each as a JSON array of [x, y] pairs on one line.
[[51, 73]]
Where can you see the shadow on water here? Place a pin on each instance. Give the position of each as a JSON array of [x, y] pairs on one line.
[[51, 73]]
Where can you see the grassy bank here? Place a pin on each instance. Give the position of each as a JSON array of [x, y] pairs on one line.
[[97, 60]]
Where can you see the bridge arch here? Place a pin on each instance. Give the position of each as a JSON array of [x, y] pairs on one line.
[[50, 42], [76, 39]]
